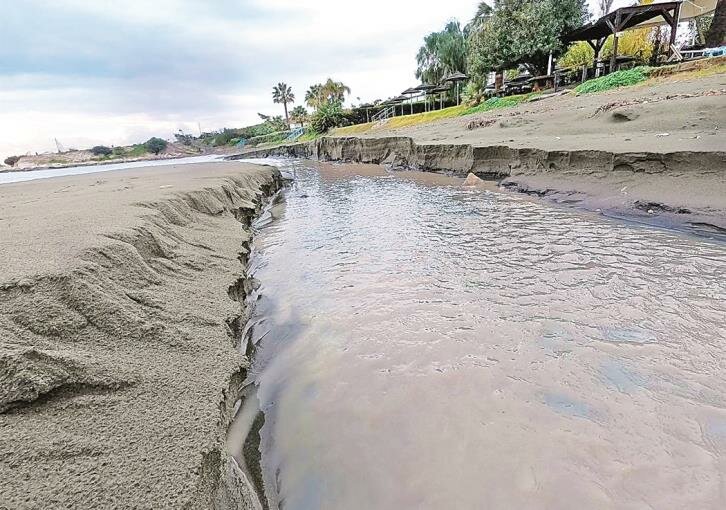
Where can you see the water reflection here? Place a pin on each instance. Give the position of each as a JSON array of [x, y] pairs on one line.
[[424, 345]]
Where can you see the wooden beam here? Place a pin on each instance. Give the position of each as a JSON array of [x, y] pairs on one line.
[[625, 21]]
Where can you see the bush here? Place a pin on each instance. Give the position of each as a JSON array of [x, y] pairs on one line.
[[119, 151], [11, 160], [155, 145], [614, 80], [101, 150], [328, 115]]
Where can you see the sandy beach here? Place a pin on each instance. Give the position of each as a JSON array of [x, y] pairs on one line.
[[120, 317]]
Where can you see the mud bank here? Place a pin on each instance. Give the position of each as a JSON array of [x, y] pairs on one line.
[[121, 314], [670, 189]]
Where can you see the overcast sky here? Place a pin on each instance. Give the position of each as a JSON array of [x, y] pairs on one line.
[[115, 72]]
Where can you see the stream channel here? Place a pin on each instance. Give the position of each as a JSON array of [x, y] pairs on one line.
[[420, 344]]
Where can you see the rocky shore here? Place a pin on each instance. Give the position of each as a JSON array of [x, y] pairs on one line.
[[120, 322]]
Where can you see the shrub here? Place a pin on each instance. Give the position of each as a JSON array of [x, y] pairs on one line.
[[155, 145], [328, 115], [101, 150], [119, 151], [11, 160], [183, 138], [614, 80]]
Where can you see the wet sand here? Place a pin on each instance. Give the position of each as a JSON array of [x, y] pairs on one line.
[[120, 311]]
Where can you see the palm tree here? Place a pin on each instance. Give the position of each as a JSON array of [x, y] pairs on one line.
[[328, 92], [483, 14], [335, 90], [314, 96], [299, 114], [282, 93]]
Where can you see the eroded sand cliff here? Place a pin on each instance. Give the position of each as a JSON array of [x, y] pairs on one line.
[[120, 317]]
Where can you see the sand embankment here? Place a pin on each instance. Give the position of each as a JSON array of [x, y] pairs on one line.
[[120, 317], [655, 152]]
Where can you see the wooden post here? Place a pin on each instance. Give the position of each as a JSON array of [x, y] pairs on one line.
[[615, 28], [674, 29]]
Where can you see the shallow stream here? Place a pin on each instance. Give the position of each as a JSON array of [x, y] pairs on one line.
[[425, 345]]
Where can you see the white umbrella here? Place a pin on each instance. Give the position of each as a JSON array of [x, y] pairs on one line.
[[689, 9]]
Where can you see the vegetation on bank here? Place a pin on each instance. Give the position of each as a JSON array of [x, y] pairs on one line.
[[614, 80]]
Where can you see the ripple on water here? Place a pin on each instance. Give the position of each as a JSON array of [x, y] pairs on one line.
[[456, 338]]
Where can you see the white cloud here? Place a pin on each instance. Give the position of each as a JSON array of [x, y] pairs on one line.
[[118, 72]]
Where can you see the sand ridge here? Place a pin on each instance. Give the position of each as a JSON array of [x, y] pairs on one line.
[[119, 367]]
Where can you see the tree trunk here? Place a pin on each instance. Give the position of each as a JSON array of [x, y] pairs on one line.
[[716, 35], [287, 118]]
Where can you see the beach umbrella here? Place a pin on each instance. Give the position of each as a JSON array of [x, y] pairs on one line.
[[441, 90], [689, 9], [426, 89], [457, 78], [410, 92]]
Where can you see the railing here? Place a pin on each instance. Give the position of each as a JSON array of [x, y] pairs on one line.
[[295, 134], [384, 114]]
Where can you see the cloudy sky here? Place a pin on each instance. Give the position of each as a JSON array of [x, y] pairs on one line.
[[114, 72]]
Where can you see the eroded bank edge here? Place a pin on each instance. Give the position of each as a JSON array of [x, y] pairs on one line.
[[566, 177]]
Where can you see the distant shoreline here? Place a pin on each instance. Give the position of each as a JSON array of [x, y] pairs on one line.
[[112, 161]]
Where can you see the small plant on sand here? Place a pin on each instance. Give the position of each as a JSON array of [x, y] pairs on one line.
[[11, 160], [155, 145], [101, 150], [614, 80]]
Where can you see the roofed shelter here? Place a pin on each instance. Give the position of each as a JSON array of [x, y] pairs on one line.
[[597, 32]]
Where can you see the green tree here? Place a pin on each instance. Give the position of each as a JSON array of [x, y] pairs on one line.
[[12, 160], [442, 53], [314, 96], [523, 32], [328, 92], [483, 13], [327, 116], [101, 150], [282, 93], [299, 114], [155, 145]]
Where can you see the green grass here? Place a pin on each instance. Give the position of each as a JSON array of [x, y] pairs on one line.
[[423, 118], [494, 103], [309, 136], [136, 151], [614, 80], [355, 129]]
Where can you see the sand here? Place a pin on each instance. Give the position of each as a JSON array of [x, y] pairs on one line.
[[669, 115], [120, 317]]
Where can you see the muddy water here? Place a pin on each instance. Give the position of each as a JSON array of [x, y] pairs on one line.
[[422, 345]]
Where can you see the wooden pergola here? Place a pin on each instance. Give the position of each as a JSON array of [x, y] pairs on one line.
[[597, 32]]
